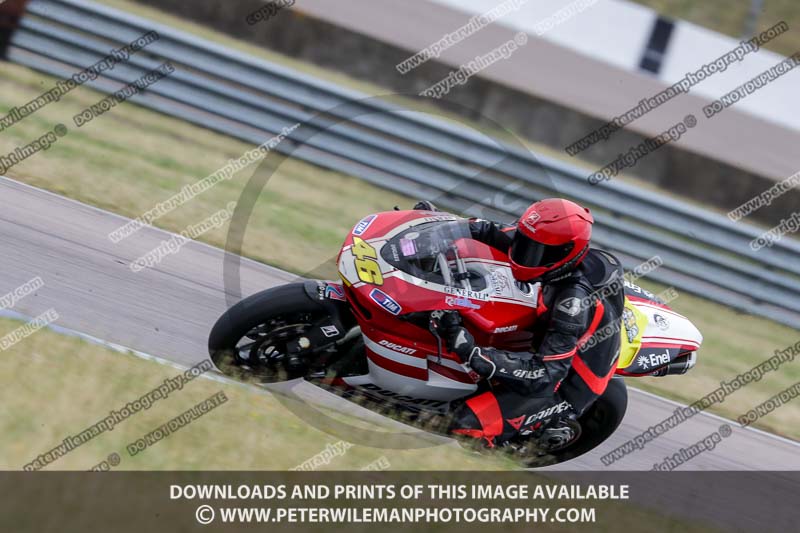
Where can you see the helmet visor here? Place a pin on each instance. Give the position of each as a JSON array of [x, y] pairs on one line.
[[529, 253]]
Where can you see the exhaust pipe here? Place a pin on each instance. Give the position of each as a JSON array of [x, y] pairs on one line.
[[680, 365]]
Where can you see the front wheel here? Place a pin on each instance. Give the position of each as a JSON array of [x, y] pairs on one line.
[[272, 335]]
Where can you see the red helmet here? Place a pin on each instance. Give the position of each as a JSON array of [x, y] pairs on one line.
[[552, 238]]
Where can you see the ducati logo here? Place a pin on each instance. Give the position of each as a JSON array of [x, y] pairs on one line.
[[397, 347]]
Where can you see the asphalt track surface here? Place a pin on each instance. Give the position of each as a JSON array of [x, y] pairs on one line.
[[167, 312]]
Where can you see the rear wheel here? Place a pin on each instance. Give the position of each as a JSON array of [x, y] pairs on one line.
[[598, 423]]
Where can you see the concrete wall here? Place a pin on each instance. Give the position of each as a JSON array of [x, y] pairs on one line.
[[550, 94], [616, 32]]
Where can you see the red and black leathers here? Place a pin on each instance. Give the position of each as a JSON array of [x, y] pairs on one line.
[[566, 367]]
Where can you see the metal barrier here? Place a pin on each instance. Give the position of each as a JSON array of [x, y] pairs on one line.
[[239, 95]]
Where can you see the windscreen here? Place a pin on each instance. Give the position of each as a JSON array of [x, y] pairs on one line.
[[427, 251]]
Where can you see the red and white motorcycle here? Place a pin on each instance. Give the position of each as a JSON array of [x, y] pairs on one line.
[[370, 337]]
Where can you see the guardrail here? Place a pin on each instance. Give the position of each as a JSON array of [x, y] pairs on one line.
[[251, 99]]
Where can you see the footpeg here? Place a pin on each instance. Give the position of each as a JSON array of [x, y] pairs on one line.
[[295, 363], [555, 437]]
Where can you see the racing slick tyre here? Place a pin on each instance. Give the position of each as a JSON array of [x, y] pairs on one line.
[[270, 336], [598, 423]]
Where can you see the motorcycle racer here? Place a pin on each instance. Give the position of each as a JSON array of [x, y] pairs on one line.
[[549, 244], [416, 286]]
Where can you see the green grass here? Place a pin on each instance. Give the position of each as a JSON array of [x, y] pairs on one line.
[[62, 385], [250, 431], [729, 17], [76, 384], [130, 159]]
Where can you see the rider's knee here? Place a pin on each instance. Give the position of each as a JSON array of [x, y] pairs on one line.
[[464, 418]]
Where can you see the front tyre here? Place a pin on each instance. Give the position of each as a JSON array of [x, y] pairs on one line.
[[272, 335]]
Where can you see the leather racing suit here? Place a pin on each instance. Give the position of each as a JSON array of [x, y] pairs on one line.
[[572, 365]]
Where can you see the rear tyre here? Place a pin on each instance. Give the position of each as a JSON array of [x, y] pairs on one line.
[[598, 423]]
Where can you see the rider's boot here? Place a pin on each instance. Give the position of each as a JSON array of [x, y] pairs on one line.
[[557, 432]]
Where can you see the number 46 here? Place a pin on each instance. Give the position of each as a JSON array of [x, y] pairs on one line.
[[366, 261]]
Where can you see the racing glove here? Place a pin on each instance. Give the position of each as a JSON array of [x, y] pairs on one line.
[[523, 373], [424, 205], [456, 337], [462, 343]]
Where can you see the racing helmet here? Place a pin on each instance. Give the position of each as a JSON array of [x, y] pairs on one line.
[[551, 240]]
